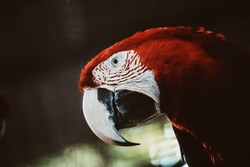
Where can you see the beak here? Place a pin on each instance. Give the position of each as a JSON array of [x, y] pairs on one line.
[[106, 112]]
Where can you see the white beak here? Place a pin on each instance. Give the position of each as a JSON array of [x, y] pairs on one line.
[[98, 119]]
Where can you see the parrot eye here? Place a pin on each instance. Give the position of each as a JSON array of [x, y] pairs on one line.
[[114, 61]]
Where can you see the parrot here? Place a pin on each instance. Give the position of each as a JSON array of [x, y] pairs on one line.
[[191, 75], [5, 112]]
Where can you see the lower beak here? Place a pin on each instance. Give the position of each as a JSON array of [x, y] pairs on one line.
[[106, 112]]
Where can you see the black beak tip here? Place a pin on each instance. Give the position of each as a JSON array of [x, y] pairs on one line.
[[127, 143]]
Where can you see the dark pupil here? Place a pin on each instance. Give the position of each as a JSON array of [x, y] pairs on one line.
[[115, 61]]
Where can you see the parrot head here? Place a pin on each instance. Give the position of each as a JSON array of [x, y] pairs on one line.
[[125, 95], [135, 80]]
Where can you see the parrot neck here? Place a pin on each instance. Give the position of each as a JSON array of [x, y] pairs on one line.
[[187, 77]]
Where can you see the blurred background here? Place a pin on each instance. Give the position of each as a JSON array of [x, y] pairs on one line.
[[44, 46]]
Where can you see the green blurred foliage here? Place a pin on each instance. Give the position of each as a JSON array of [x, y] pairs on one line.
[[104, 155]]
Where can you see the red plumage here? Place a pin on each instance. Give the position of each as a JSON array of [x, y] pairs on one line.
[[141, 41], [204, 87]]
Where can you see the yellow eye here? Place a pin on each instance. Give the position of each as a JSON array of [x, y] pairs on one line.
[[115, 61]]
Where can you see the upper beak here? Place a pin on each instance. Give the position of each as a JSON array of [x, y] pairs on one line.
[[106, 112]]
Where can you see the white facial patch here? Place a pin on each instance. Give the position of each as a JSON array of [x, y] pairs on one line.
[[118, 69], [123, 70]]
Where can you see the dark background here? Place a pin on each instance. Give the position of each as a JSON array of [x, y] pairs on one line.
[[45, 44]]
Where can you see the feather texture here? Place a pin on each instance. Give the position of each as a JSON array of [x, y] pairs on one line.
[[204, 88]]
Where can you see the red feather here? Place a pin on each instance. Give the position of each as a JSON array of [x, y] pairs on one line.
[[141, 39], [204, 84]]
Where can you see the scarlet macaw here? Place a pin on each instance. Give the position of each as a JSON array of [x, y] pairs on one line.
[[197, 79]]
